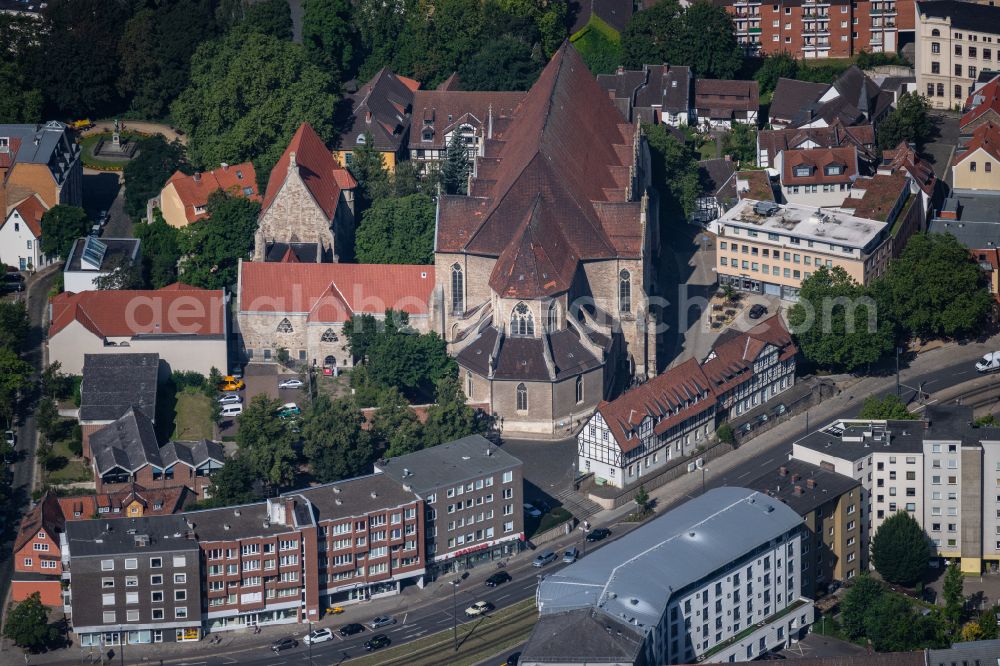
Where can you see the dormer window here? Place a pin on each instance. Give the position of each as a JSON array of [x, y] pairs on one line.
[[239, 175], [428, 135], [4, 144], [803, 171], [360, 140], [834, 169], [200, 209]]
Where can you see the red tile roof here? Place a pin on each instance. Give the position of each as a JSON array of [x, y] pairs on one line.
[[31, 210], [439, 111], [904, 158], [861, 137], [8, 158], [171, 500], [981, 102], [333, 292], [560, 165], [986, 137], [194, 190], [818, 159], [46, 515], [323, 177], [174, 310], [879, 195], [722, 97]]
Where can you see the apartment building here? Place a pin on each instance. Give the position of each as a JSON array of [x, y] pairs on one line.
[[771, 249], [955, 41], [818, 176], [717, 579], [820, 28], [473, 491], [976, 164], [829, 503]]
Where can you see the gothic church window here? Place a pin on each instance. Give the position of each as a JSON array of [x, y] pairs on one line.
[[285, 326], [522, 322]]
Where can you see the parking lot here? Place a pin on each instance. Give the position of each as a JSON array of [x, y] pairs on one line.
[[263, 379]]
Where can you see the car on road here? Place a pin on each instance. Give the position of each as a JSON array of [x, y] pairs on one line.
[[10, 438], [284, 644], [499, 578], [544, 559], [530, 510], [351, 629], [989, 362], [478, 608], [512, 659], [318, 636], [95, 230], [757, 311], [571, 555], [291, 384], [382, 621], [289, 409], [598, 534], [377, 641], [230, 383], [13, 282], [230, 399]]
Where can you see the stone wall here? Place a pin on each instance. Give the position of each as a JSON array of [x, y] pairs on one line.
[[293, 217]]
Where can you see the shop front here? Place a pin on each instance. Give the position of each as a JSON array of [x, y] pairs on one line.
[[475, 556]]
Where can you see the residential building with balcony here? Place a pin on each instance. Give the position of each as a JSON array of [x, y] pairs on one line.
[[716, 579], [955, 41]]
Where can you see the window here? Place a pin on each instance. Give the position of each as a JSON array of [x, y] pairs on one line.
[[958, 49], [457, 289], [972, 166], [284, 326], [958, 92], [108, 617], [108, 599], [522, 398], [624, 291], [131, 581], [958, 70], [131, 597], [155, 562], [579, 389], [132, 616], [508, 476], [180, 595], [156, 597], [180, 612], [157, 613], [522, 322], [935, 47], [180, 578], [107, 565], [328, 336], [935, 68]]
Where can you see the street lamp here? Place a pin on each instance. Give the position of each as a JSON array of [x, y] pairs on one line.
[[703, 468], [454, 611]]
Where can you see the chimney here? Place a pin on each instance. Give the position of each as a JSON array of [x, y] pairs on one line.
[[782, 471], [798, 490], [810, 483], [225, 167], [796, 477], [291, 162], [197, 176], [368, 117]]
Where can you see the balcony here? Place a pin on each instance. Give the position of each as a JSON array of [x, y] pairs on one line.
[[754, 31]]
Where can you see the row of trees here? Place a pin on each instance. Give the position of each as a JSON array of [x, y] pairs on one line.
[[934, 289]]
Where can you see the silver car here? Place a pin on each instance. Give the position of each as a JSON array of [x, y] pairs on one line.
[[382, 621]]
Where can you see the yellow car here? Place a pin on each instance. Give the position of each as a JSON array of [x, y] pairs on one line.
[[336, 610], [230, 383]]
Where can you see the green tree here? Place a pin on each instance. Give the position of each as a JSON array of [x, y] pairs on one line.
[[266, 442], [146, 175], [268, 17], [725, 434], [235, 483], [28, 624], [651, 33], [862, 596], [362, 330], [14, 325], [741, 143], [19, 101], [411, 362], [438, 41], [161, 250], [123, 273], [775, 66], [397, 231], [61, 225], [641, 500], [450, 418], [909, 121], [328, 35], [333, 441], [406, 180], [380, 24], [887, 407], [708, 42], [837, 323], [395, 426], [503, 63], [215, 244], [893, 626], [599, 45], [934, 289], [989, 628], [675, 169], [248, 94], [456, 168], [368, 168], [954, 598], [900, 549], [46, 416]]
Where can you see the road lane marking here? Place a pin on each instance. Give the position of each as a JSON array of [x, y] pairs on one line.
[[503, 597]]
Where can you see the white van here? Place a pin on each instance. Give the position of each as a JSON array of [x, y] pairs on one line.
[[232, 409], [989, 362]]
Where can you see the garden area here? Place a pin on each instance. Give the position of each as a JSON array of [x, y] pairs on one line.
[[105, 160], [186, 408], [725, 306], [60, 445]]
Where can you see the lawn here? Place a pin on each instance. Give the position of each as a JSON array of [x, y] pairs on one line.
[[72, 471], [193, 416], [557, 516], [707, 150]]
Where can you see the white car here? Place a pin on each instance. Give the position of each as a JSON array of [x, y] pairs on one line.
[[230, 399], [478, 608], [291, 384], [9, 437], [318, 636], [532, 511], [989, 362]]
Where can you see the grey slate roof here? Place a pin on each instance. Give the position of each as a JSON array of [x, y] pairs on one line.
[[791, 96], [112, 383], [130, 443], [353, 497], [523, 359], [52, 137], [718, 179], [633, 578], [101, 538], [964, 15], [583, 635], [247, 520], [637, 92], [117, 247], [382, 107], [977, 226], [827, 485], [974, 653], [447, 464]]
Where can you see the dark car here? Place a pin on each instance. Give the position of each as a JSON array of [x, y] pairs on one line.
[[377, 641], [599, 534], [284, 644], [499, 578], [351, 629], [512, 659], [758, 311]]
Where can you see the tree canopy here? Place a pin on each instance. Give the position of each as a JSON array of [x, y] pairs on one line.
[[268, 17], [28, 624], [503, 63], [215, 245], [20, 101], [333, 442], [148, 172], [775, 66], [909, 121], [395, 426], [15, 381], [900, 549], [397, 231], [14, 325], [888, 407], [329, 36], [161, 250], [675, 169], [266, 442], [61, 225], [450, 418], [457, 166], [235, 483], [741, 143]]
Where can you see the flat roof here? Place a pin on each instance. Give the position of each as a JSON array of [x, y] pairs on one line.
[[355, 497], [977, 226], [114, 382], [807, 222], [116, 247], [245, 521], [633, 578], [118, 536], [854, 439], [448, 463], [793, 488]]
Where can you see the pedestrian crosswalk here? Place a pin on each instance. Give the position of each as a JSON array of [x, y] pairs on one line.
[[577, 504]]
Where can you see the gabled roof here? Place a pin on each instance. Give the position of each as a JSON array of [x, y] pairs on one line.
[[817, 160], [169, 500], [332, 292], [130, 444], [46, 515], [114, 383], [194, 190], [985, 137], [981, 102], [904, 158], [382, 107], [637, 92], [734, 352], [30, 209], [718, 177], [323, 177], [438, 112], [113, 313], [860, 90], [861, 137], [720, 98], [792, 96], [564, 160]]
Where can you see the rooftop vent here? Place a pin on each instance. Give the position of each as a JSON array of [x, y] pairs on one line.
[[782, 471], [336, 490], [374, 495], [225, 526], [236, 512], [267, 524], [338, 501], [810, 483]]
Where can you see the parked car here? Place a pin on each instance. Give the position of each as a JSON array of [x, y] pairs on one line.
[[291, 384], [598, 534], [284, 644], [351, 629], [499, 578], [530, 510], [289, 409], [989, 362], [230, 383], [377, 641], [230, 399], [95, 230], [10, 438], [382, 621], [234, 409], [478, 608], [512, 659], [102, 218], [569, 557], [318, 636], [544, 559], [758, 311]]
